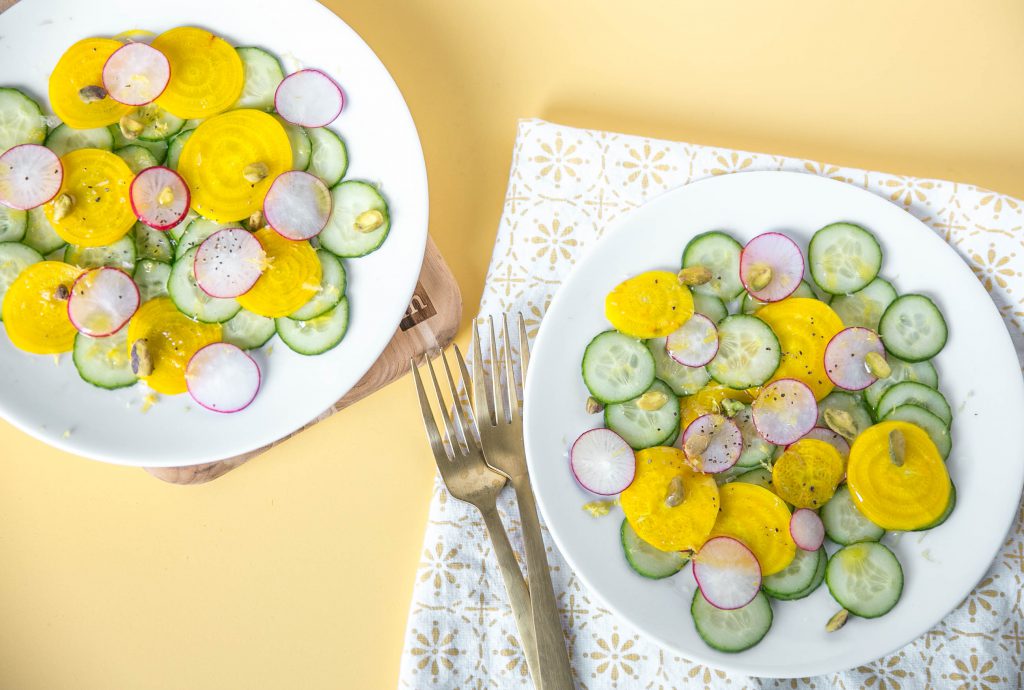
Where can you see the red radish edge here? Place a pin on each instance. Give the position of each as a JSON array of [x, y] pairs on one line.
[[705, 573], [138, 301], [577, 469], [341, 93], [807, 529], [679, 354], [732, 454], [836, 365], [196, 259], [760, 294], [165, 226], [103, 73], [795, 437], [256, 388], [271, 217], [56, 189]]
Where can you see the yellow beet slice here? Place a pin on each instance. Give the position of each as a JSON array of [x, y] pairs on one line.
[[803, 326], [290, 279], [682, 527], [898, 497], [171, 340], [759, 519], [81, 66], [807, 473], [206, 73], [215, 159], [650, 305], [36, 318], [99, 183], [708, 400]]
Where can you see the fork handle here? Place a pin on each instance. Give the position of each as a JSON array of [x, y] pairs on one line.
[[515, 585], [555, 671]]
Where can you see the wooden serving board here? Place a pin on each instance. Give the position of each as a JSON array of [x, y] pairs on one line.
[[430, 322]]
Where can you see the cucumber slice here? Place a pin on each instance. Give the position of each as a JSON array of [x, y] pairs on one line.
[[761, 477], [646, 560], [720, 253], [913, 329], [819, 576], [302, 147], [748, 352], [197, 231], [13, 224], [617, 368], [189, 298], [351, 199], [21, 120], [104, 362], [175, 147], [152, 244], [120, 254], [248, 331], [950, 506], [40, 235], [735, 630], [756, 451], [332, 288], [328, 155], [643, 428], [151, 276], [921, 372], [162, 127], [157, 148], [932, 425], [137, 157], [710, 306], [263, 73], [64, 139], [865, 578], [845, 402], [749, 305], [14, 258], [844, 524], [843, 258], [682, 380], [865, 307], [315, 336], [178, 230], [794, 582], [910, 393]]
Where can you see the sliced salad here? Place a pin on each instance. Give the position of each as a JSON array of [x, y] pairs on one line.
[[186, 204], [768, 430]]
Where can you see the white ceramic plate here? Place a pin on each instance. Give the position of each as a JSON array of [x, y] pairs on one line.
[[978, 371], [48, 400]]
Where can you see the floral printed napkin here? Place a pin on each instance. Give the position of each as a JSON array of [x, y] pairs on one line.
[[566, 186]]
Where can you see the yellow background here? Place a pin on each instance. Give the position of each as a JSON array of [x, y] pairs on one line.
[[296, 570]]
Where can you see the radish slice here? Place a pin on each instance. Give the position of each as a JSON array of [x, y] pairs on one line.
[[727, 573], [297, 205], [222, 377], [821, 433], [102, 300], [309, 98], [602, 462], [229, 262], [30, 175], [160, 197], [724, 442], [807, 529], [695, 343], [774, 257], [136, 74], [784, 411], [844, 357]]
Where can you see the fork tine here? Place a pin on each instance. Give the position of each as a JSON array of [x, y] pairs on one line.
[[433, 435], [450, 437], [482, 402], [458, 411], [510, 370], [496, 376], [524, 351], [468, 409]]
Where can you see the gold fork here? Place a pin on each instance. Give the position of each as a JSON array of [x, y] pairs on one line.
[[469, 479], [499, 420]]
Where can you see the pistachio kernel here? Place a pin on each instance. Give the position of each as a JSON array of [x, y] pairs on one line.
[[877, 366], [368, 221], [759, 277], [142, 363], [62, 292], [255, 221], [695, 275], [837, 621], [92, 93], [730, 407], [62, 206], [675, 492], [594, 406], [652, 401], [131, 127], [165, 197], [897, 447], [255, 172], [841, 422], [695, 444]]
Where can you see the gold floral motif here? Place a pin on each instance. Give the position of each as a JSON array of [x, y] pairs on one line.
[[998, 202], [616, 657], [434, 651], [975, 674], [886, 674], [646, 165], [513, 653], [439, 565], [558, 160], [983, 600], [994, 268], [705, 674], [731, 163], [908, 189], [554, 242]]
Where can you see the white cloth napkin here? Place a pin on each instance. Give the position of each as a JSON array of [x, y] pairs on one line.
[[565, 187]]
